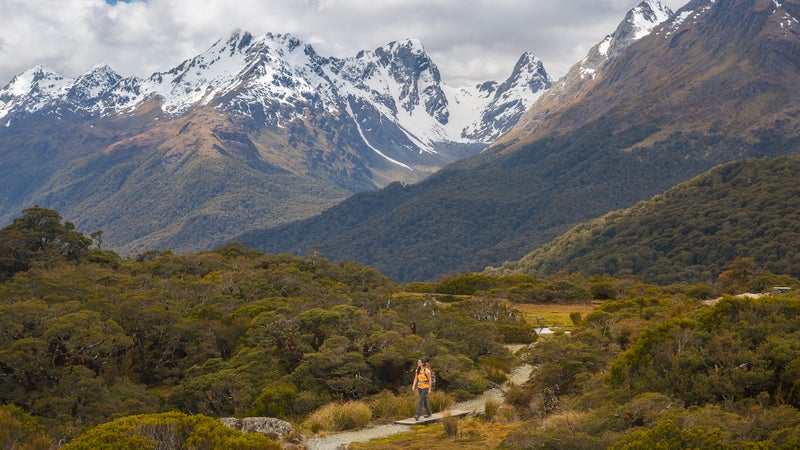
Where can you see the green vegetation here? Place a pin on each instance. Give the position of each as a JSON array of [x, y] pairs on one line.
[[654, 370], [664, 371], [499, 206], [87, 336], [746, 209], [145, 352], [168, 430]]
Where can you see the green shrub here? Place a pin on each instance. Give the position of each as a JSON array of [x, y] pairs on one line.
[[700, 291], [421, 287], [20, 430], [466, 284], [274, 401], [168, 430], [465, 384]]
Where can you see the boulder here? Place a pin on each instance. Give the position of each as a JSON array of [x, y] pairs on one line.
[[269, 426]]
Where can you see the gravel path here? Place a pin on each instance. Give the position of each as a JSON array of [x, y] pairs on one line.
[[340, 440]]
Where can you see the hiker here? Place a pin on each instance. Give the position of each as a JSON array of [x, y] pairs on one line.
[[422, 382]]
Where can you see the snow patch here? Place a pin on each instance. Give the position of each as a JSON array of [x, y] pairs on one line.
[[605, 45], [281, 78], [381, 154]]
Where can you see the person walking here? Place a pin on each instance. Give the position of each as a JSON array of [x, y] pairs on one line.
[[422, 383]]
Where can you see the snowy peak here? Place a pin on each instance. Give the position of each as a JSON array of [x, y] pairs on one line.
[[507, 102], [38, 79], [269, 66], [31, 90], [638, 23], [641, 20], [92, 86], [394, 95], [419, 81], [528, 77]]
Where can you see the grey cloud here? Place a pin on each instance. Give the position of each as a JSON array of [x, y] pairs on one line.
[[470, 40]]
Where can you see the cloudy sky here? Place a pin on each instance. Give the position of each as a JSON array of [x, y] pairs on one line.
[[470, 40]]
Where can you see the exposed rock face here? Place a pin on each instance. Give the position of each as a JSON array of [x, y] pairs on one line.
[[255, 132], [715, 83], [639, 22], [268, 426]]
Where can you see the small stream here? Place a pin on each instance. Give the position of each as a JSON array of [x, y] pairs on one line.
[[476, 405]]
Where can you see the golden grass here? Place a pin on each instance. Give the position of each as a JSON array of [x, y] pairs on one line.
[[553, 316], [473, 434], [338, 417], [387, 406]]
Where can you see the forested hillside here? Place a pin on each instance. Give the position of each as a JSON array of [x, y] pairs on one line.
[[745, 209], [99, 351], [86, 336]]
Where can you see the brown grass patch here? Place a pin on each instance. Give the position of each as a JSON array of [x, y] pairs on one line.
[[473, 434], [553, 315]]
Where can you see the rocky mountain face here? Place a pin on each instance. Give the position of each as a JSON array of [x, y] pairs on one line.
[[638, 23], [714, 83], [256, 131], [715, 66]]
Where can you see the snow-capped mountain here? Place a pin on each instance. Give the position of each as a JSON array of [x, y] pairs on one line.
[[717, 82], [638, 23], [394, 95], [255, 131]]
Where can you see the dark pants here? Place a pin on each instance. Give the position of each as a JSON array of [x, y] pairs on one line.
[[423, 401]]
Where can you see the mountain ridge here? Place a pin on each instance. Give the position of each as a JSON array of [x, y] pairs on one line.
[[671, 105], [307, 131]]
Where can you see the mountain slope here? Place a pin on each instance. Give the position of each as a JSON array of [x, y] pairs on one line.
[[748, 208], [256, 131], [638, 23], [494, 206], [714, 84], [722, 68]]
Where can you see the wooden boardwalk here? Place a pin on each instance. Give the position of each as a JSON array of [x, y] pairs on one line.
[[435, 417]]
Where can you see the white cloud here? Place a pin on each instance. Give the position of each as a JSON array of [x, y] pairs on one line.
[[470, 40]]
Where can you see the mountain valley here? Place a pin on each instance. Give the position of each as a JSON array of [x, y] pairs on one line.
[[714, 83]]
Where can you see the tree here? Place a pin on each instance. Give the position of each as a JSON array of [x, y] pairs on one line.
[[738, 277], [38, 235], [19, 430]]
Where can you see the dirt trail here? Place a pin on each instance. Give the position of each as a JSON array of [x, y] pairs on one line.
[[519, 375]]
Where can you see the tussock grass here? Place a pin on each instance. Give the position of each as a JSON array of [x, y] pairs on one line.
[[339, 417], [473, 434], [388, 406], [490, 409], [438, 401], [450, 425]]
